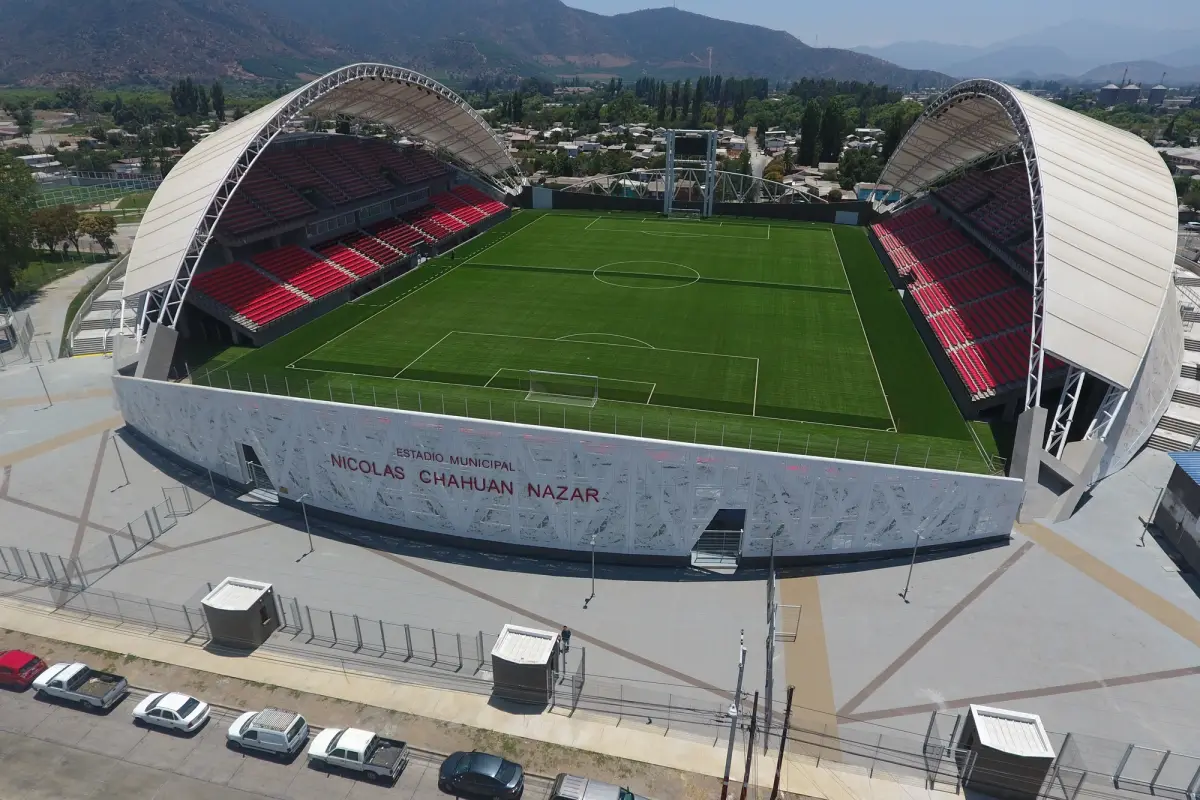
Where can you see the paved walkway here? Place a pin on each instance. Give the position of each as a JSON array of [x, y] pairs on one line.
[[798, 775]]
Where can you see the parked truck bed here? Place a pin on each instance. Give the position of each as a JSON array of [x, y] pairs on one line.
[[387, 753], [98, 685]]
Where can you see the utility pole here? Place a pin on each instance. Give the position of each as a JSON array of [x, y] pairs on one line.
[[733, 715], [750, 746], [769, 689], [787, 721]]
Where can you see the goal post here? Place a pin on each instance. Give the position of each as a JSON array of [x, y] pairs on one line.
[[563, 387]]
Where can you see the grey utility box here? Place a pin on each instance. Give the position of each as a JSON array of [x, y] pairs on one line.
[[240, 613], [523, 661], [1009, 753]]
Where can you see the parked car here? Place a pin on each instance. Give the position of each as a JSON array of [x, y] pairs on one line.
[[173, 711], [359, 751], [574, 787], [18, 668], [1193, 225], [79, 683], [271, 730], [481, 775]]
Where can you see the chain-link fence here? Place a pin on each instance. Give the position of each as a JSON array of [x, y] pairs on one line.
[[650, 422]]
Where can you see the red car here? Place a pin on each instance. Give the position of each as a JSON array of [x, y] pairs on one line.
[[18, 668]]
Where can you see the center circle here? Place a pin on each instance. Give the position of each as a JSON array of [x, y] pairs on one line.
[[646, 274]]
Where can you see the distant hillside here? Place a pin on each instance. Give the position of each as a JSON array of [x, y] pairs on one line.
[[123, 41], [148, 41]]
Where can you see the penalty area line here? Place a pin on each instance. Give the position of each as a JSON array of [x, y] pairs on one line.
[[418, 358]]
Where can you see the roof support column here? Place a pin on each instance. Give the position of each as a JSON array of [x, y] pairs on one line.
[[1056, 442], [1110, 407]]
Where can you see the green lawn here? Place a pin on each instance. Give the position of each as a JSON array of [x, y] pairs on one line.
[[719, 332]]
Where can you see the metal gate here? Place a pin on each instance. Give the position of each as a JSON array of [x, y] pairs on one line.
[[258, 478], [717, 550]]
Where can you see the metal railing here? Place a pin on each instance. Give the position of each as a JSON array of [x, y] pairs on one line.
[[91, 565], [700, 427], [1085, 765], [114, 273]]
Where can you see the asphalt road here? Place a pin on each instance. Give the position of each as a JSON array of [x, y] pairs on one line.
[[53, 751]]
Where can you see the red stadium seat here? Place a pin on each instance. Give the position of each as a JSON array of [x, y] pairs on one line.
[[248, 294]]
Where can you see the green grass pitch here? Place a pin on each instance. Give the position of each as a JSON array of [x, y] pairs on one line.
[[772, 336]]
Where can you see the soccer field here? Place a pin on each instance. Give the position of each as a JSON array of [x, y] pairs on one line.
[[727, 331]]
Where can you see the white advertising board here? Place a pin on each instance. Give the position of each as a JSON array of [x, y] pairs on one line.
[[552, 488]]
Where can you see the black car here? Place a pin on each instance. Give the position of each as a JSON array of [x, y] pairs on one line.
[[481, 775]]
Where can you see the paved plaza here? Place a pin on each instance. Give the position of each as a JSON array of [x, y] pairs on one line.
[[1084, 623]]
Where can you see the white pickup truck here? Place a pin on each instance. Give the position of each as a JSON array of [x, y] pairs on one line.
[[359, 751], [79, 683]]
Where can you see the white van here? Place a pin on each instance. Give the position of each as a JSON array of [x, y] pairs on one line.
[[271, 730]]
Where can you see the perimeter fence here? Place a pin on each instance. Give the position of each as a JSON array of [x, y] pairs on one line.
[[1084, 766], [83, 570], [647, 422]]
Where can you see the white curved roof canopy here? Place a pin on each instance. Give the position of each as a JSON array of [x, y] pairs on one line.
[[1104, 214], [187, 206]]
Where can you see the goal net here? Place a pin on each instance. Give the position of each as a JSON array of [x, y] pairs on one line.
[[563, 387]]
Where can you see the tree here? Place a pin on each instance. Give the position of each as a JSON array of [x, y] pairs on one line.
[[674, 100], [68, 221], [74, 97], [833, 128], [662, 103], [23, 116], [18, 193], [858, 166], [810, 127], [834, 196], [897, 126], [218, 100], [100, 228], [45, 230], [788, 165]]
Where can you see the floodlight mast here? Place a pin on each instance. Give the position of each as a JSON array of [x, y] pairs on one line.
[[707, 161]]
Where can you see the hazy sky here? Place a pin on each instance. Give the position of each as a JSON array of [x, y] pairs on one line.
[[875, 22]]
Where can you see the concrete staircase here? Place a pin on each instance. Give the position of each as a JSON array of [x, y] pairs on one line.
[[1179, 429], [99, 323]]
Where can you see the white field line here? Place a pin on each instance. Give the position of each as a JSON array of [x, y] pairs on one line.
[[590, 224], [489, 380], [409, 294], [425, 353], [788, 420], [650, 396], [754, 404], [608, 344], [863, 328]]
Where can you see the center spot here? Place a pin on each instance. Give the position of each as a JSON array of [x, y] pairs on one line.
[[646, 274]]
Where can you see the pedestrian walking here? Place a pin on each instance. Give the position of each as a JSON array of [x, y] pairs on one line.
[[566, 639]]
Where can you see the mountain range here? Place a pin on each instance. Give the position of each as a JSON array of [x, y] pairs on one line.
[[118, 42], [1087, 50]]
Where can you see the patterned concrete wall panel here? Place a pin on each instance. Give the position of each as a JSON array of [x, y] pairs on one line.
[[552, 488]]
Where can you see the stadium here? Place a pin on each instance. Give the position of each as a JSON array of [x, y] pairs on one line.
[[400, 332]]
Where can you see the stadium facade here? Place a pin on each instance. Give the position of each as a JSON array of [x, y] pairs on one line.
[[1102, 306]]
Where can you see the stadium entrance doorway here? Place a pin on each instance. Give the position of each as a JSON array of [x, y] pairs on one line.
[[719, 547], [258, 474]]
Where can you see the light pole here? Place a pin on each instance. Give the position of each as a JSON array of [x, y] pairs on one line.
[[593, 594], [734, 713], [917, 541], [308, 530]]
